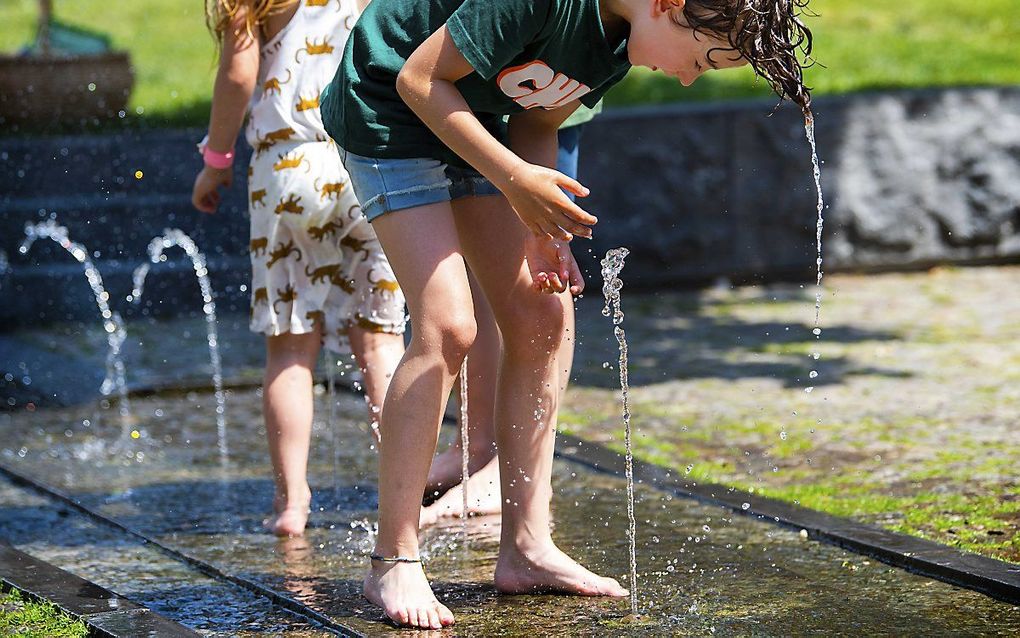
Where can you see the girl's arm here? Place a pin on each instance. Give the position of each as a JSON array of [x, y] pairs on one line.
[[235, 82], [426, 84]]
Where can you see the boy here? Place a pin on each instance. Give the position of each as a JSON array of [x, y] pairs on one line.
[[416, 109]]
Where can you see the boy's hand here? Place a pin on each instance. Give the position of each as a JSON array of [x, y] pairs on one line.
[[205, 195], [552, 265], [536, 196]]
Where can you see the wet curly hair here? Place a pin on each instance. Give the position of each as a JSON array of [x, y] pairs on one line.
[[769, 34]]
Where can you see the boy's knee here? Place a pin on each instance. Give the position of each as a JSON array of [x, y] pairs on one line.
[[537, 323], [455, 333]]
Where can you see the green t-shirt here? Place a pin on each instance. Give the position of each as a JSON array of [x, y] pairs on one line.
[[526, 54]]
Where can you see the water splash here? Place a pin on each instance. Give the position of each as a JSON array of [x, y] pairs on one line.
[[809, 131], [112, 323], [612, 285], [464, 440], [175, 237]]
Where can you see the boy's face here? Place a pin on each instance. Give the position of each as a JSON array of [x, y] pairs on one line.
[[661, 41]]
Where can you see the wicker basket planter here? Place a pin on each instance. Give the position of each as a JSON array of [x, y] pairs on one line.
[[66, 90]]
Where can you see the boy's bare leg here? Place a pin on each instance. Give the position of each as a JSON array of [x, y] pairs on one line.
[[377, 354], [532, 326], [483, 365], [434, 280], [287, 405], [483, 484]]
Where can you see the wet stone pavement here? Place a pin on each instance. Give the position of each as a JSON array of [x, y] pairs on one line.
[[701, 569]]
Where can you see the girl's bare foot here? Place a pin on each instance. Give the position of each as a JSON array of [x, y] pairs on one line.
[[289, 517], [403, 592], [483, 497], [445, 472], [546, 568]]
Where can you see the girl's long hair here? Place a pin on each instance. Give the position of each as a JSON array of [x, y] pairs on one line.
[[220, 13]]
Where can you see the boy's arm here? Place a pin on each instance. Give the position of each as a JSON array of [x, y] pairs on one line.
[[534, 136], [235, 82], [426, 84]]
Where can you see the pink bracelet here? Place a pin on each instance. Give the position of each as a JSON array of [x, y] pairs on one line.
[[218, 160], [214, 159]]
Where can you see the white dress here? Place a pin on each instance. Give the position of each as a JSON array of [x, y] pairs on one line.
[[315, 259]]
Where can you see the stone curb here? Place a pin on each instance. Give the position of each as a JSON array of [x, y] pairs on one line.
[[989, 576], [105, 613], [285, 602]]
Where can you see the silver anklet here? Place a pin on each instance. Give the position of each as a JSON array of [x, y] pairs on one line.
[[394, 559]]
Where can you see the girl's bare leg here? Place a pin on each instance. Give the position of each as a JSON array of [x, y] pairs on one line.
[[434, 281], [377, 354], [287, 405], [532, 327]]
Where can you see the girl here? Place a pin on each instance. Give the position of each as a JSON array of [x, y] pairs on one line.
[[318, 273]]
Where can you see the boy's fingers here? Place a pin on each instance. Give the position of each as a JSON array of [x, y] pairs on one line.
[[578, 214], [555, 284], [570, 184]]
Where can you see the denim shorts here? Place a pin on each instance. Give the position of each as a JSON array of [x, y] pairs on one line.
[[383, 185]]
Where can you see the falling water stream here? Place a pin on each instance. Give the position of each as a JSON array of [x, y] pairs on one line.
[[112, 323], [611, 287], [174, 237], [816, 330]]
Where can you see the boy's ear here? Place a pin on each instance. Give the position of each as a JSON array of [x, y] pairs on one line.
[[665, 6]]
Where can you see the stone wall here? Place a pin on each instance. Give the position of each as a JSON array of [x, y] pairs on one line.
[[697, 192], [910, 179]]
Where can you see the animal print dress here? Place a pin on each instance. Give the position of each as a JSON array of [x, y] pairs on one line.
[[315, 259]]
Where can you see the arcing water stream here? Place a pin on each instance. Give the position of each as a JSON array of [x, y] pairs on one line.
[[112, 323], [174, 237]]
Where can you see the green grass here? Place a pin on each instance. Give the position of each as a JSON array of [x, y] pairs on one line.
[[910, 43], [24, 618]]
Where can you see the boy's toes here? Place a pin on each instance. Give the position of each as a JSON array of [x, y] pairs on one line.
[[611, 587], [433, 616], [445, 615]]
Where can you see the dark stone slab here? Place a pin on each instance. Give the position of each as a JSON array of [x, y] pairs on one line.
[[138, 622], [106, 613], [992, 577], [69, 592]]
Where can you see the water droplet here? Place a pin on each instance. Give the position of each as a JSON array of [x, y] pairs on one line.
[[816, 331], [809, 389], [782, 435], [135, 434], [813, 374], [745, 506]]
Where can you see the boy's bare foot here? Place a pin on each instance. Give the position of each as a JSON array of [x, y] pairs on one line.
[[483, 497], [546, 568], [446, 470], [288, 519], [403, 592]]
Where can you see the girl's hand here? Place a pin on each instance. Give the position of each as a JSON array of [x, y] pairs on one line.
[[536, 194], [205, 195], [552, 266]]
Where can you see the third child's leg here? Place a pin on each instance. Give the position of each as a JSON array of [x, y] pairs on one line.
[[377, 354], [287, 405], [532, 326], [483, 366]]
